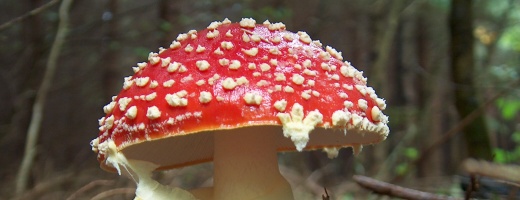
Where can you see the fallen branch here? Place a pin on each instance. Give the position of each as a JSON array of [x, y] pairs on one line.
[[45, 186], [384, 188], [509, 173]]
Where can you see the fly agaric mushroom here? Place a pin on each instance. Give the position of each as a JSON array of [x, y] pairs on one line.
[[236, 94]]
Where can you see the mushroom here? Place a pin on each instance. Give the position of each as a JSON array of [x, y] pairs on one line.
[[236, 94]]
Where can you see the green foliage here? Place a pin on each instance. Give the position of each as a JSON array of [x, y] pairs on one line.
[[505, 156], [509, 108], [411, 154], [511, 38]]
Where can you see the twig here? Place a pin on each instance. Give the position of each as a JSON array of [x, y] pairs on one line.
[[45, 186], [113, 192], [89, 186], [384, 188], [326, 195], [34, 127], [28, 14], [509, 173], [473, 186]]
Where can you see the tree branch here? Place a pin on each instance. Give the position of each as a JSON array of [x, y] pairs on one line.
[[384, 188], [37, 115], [28, 14]]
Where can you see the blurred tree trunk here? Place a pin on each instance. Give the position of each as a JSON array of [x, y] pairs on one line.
[[169, 15], [110, 55], [462, 67]]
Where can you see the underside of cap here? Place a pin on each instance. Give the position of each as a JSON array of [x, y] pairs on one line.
[[190, 149]]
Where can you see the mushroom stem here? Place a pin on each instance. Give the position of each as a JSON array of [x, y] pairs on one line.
[[246, 165]]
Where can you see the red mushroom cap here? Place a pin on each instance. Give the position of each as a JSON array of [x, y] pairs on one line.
[[233, 75]]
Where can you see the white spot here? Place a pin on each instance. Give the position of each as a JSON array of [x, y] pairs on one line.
[[335, 77], [340, 118], [182, 37], [245, 37], [251, 66], [229, 83], [128, 82], [142, 81], [348, 104], [343, 95], [306, 94], [297, 66], [226, 45], [256, 74], [212, 34], [274, 51], [176, 99], [153, 84], [175, 45], [309, 72], [202, 65], [361, 89], [311, 82], [188, 48], [334, 53], [253, 98], [315, 93], [226, 21], [228, 34], [307, 63], [304, 37], [324, 55], [172, 67], [325, 66], [186, 78], [205, 97], [251, 52], [298, 79], [109, 107], [165, 61], [376, 114], [280, 105], [154, 58], [265, 67], [262, 83], [247, 23], [214, 25], [279, 77], [151, 96], [235, 64], [242, 80], [200, 49], [273, 62], [212, 80], [362, 104], [218, 51], [381, 103], [182, 69], [200, 82], [276, 39], [223, 62], [168, 83], [297, 127], [131, 113], [153, 112], [123, 102], [288, 89], [255, 38], [288, 37], [109, 122]]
